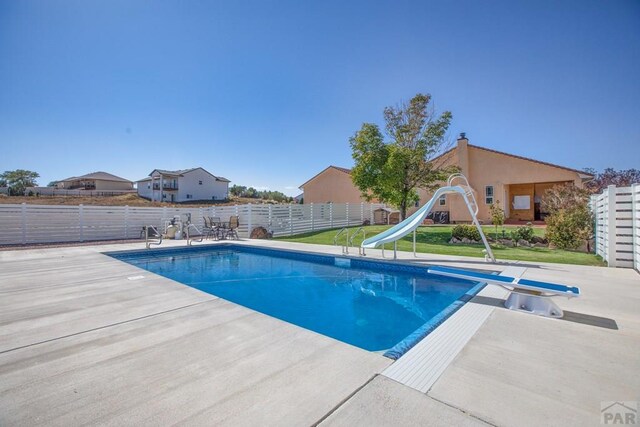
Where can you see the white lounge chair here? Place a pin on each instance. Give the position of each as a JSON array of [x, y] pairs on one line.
[[526, 295]]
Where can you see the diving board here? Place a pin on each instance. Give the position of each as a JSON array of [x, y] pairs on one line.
[[529, 296]]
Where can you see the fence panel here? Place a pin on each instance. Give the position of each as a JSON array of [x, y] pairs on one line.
[[617, 226], [25, 224]]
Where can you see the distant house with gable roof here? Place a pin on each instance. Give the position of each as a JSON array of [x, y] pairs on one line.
[[183, 185], [95, 181]]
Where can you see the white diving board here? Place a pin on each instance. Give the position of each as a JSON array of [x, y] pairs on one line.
[[529, 296]]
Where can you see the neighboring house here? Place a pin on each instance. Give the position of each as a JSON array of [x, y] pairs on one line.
[[517, 182], [332, 185], [183, 186], [96, 181]]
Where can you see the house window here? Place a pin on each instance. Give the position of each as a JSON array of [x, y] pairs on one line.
[[148, 186], [417, 204], [442, 200], [188, 196], [488, 194], [199, 182]]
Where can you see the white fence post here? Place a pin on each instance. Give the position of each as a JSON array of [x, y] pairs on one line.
[[635, 226], [126, 221], [81, 217], [249, 221], [312, 224], [347, 209], [290, 221], [24, 223], [270, 223], [611, 226], [330, 215]]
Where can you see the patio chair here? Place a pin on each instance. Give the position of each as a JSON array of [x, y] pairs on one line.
[[209, 229], [216, 224], [231, 232], [529, 296]]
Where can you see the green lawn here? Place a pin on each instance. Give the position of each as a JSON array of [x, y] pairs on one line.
[[434, 239]]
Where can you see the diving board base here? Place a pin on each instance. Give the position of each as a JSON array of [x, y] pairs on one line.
[[533, 304]]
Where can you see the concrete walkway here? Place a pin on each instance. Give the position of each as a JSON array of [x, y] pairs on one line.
[[85, 340]]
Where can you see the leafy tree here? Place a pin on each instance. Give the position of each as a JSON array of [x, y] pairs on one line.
[[497, 216], [610, 176], [393, 170], [562, 197], [570, 221], [251, 192], [52, 183], [18, 180], [237, 190]]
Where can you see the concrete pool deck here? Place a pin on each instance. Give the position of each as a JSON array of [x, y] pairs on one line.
[[84, 339]]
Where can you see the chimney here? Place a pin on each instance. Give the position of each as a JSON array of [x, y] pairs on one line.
[[463, 154]]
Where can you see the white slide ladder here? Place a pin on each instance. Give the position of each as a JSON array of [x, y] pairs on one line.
[[410, 224]]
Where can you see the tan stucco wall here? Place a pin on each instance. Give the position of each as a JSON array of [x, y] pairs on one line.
[[112, 185], [481, 167], [331, 185], [486, 168]]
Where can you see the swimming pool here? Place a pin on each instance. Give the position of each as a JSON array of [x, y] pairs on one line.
[[377, 306]]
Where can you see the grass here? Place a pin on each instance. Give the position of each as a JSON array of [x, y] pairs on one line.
[[435, 240]]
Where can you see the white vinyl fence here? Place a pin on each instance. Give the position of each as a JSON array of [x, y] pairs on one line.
[[24, 224], [617, 225]]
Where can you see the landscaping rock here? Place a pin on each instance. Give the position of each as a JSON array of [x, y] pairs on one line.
[[536, 239], [453, 241], [524, 243], [465, 240], [506, 242], [260, 233], [539, 245]]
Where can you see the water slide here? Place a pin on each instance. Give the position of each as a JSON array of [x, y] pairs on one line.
[[410, 224]]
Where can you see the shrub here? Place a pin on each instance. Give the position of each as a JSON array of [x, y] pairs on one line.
[[497, 216], [466, 231], [569, 228], [525, 232], [569, 222]]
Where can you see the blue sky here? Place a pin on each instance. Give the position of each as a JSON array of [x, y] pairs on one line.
[[268, 93]]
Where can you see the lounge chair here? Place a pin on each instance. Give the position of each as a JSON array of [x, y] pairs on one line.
[[526, 295]]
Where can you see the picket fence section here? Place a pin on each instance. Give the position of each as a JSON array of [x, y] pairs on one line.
[[25, 224], [617, 225]]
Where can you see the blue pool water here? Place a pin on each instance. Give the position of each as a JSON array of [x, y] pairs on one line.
[[372, 305]]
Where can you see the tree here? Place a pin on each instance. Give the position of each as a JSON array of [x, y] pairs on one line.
[[251, 192], [53, 183], [610, 176], [393, 170], [237, 190], [497, 216], [18, 180]]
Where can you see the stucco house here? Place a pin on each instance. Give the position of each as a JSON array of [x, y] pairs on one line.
[[183, 185], [517, 182], [95, 181]]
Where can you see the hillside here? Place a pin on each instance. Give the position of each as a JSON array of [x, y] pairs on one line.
[[122, 200]]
